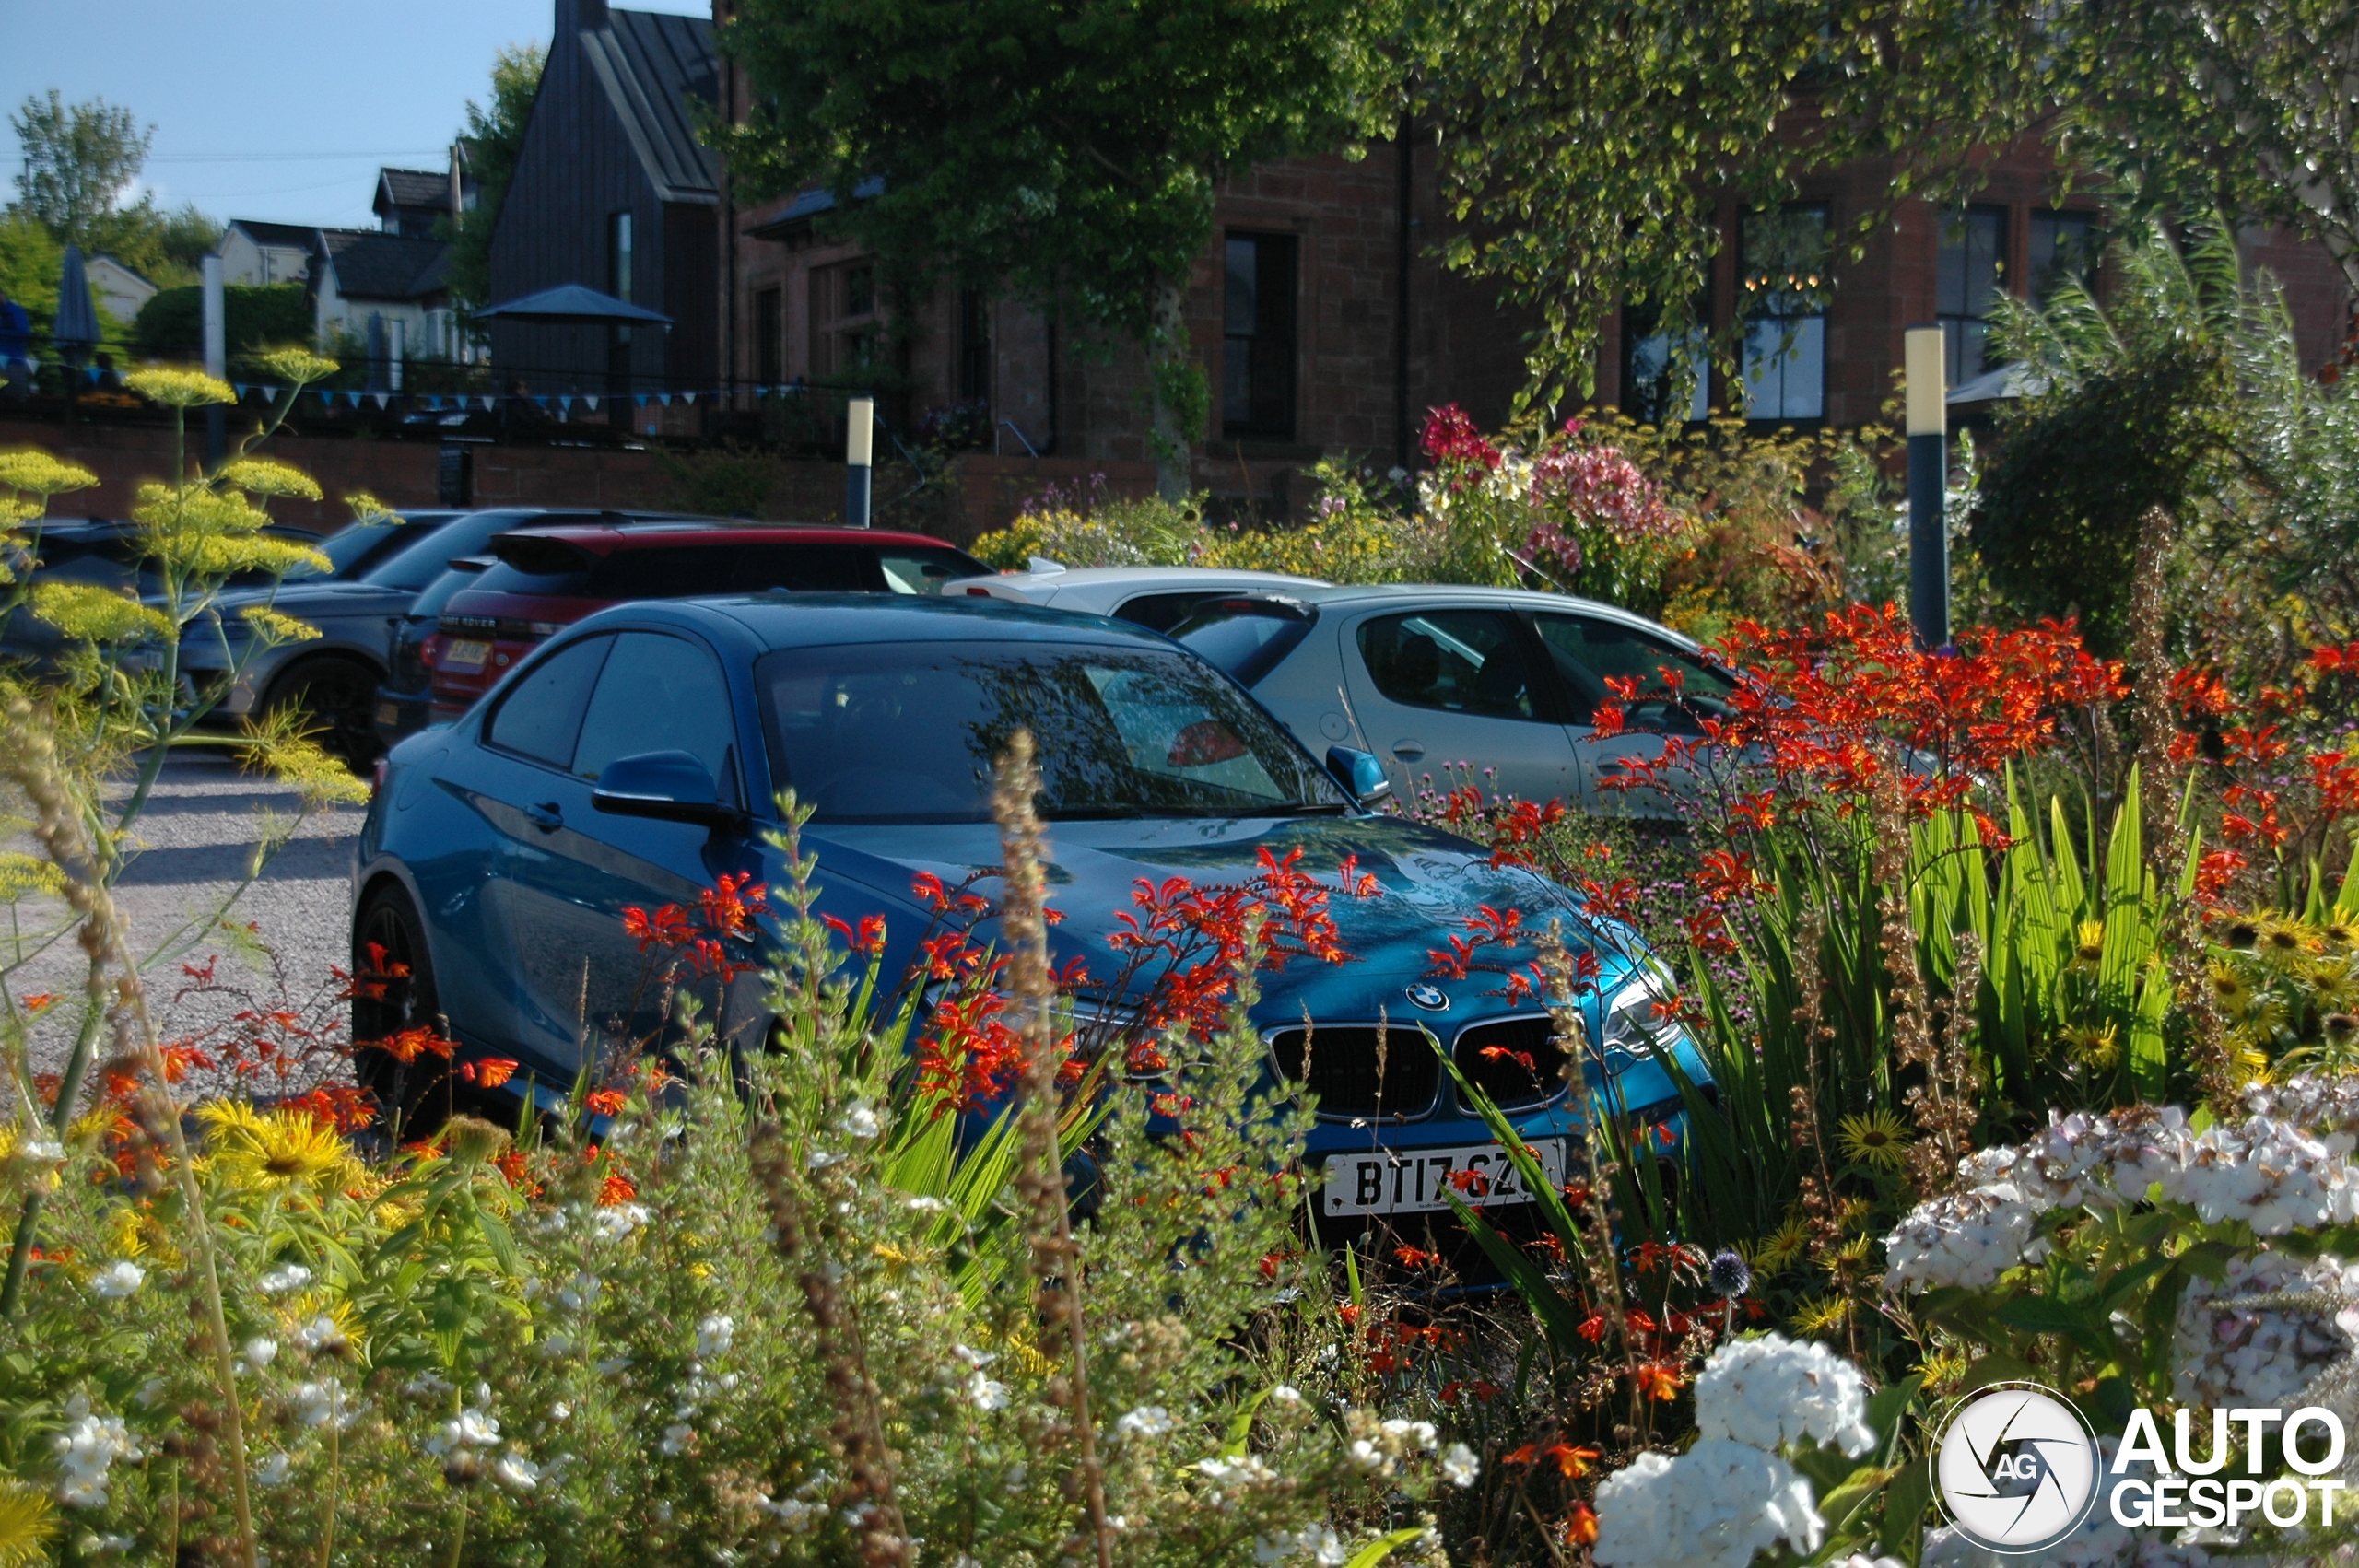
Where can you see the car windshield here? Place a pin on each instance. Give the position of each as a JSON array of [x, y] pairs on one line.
[[906, 732], [346, 549], [412, 563]]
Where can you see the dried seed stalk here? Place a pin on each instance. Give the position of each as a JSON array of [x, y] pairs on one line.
[[2160, 783], [29, 759], [1040, 1181], [1571, 1039], [858, 1431]]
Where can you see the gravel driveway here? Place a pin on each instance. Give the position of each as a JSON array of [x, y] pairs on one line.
[[199, 831]]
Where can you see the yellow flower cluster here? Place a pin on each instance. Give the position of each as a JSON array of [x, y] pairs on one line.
[[179, 389]]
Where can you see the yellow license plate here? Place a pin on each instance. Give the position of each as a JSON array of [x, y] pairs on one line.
[[469, 653], [389, 713]]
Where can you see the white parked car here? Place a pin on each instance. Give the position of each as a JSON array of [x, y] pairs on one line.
[[1155, 597], [1426, 676]]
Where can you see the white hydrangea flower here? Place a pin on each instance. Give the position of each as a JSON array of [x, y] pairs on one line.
[[715, 1335], [1771, 1391], [1965, 1238], [986, 1393], [861, 1121], [1315, 1543], [285, 1278], [275, 1469], [1459, 1466], [258, 1353], [316, 1404], [677, 1438], [2250, 1355], [117, 1280], [321, 1333], [1713, 1506]]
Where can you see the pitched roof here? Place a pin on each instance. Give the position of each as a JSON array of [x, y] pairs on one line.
[[650, 64], [295, 234], [413, 187], [369, 265]]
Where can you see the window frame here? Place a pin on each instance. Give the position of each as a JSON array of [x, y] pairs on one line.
[[835, 324], [2039, 290], [487, 735], [1799, 312], [1638, 331], [1958, 321], [1548, 700], [1276, 317]]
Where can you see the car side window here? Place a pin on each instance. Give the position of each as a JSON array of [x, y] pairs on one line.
[[801, 568], [1586, 652], [659, 693], [541, 714], [1459, 660], [1161, 611]]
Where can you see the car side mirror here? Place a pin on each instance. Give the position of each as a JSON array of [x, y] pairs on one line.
[[1360, 773], [669, 786]]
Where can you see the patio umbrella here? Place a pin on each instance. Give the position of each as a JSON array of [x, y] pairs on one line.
[[571, 304], [76, 329]]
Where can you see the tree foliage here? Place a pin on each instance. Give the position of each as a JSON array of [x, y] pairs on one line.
[[1579, 142], [1067, 149], [493, 139], [81, 163]]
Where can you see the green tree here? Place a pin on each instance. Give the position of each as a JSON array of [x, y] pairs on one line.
[[1581, 144], [79, 163], [1066, 149], [494, 137]]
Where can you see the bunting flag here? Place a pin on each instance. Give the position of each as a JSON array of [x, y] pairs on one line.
[[666, 398], [593, 403], [382, 398], [542, 399], [642, 397], [690, 396], [328, 399], [564, 403]]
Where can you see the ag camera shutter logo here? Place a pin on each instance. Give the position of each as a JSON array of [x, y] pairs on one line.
[[2017, 1468]]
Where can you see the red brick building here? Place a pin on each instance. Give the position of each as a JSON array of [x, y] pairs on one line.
[[1327, 325]]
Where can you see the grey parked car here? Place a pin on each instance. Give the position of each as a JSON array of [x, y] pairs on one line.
[[1498, 678], [334, 676]]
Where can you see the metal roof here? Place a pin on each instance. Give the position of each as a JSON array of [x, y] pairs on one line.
[[650, 65]]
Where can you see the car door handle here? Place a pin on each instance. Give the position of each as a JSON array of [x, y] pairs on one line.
[[544, 816], [1408, 751]]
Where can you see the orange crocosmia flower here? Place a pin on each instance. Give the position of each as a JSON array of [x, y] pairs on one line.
[[1572, 1462], [1658, 1381], [1580, 1526], [606, 1102], [490, 1073], [1528, 1454], [41, 1001], [616, 1188]]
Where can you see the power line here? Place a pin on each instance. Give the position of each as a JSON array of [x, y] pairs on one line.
[[291, 157]]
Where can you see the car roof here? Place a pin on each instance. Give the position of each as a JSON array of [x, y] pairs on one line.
[[780, 620], [1408, 595], [604, 539], [1139, 577]]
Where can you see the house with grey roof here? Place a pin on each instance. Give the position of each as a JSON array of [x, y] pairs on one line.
[[390, 280], [613, 189]]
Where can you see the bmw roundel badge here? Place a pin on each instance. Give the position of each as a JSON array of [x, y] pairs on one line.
[[1433, 999]]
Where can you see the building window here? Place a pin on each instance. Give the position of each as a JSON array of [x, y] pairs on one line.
[[618, 255], [1651, 365], [769, 338], [1257, 337], [2064, 245], [844, 328], [1784, 283], [974, 346], [1973, 260]]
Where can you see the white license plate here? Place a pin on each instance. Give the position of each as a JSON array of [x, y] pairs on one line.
[[469, 653], [1410, 1181]]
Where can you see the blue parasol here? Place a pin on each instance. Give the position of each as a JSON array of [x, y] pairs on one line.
[[76, 329]]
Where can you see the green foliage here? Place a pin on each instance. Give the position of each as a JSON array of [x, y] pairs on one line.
[[1065, 150], [78, 161], [2138, 414], [493, 139], [29, 263], [171, 324]]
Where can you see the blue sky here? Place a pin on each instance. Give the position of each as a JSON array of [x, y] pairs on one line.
[[272, 109]]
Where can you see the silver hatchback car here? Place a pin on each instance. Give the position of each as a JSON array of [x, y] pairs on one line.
[[1425, 677]]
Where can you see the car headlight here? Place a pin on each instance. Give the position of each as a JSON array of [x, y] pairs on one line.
[[1632, 1023]]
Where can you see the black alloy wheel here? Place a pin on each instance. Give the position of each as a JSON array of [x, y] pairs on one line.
[[338, 695]]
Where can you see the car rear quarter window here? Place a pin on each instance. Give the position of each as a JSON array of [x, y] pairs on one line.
[[659, 693], [1246, 638], [540, 716], [801, 568], [1161, 611], [1459, 660], [418, 562]]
